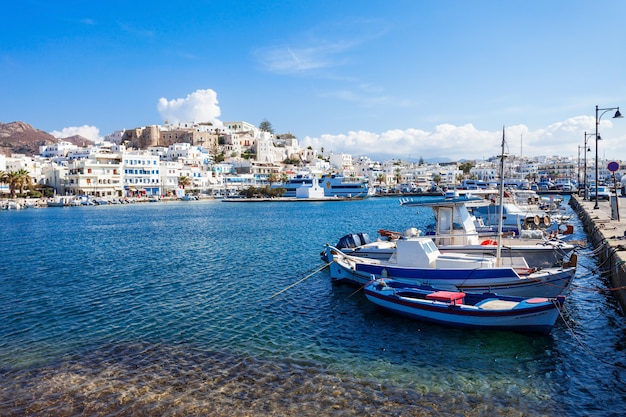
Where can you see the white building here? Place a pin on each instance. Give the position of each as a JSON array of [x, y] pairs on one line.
[[57, 150], [169, 172], [310, 191], [98, 175], [342, 162], [141, 173]]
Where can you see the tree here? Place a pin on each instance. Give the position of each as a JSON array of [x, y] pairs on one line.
[[24, 180], [3, 177], [219, 157], [398, 176], [17, 180], [266, 126], [291, 161], [466, 167], [272, 178], [184, 181], [11, 179], [380, 178]]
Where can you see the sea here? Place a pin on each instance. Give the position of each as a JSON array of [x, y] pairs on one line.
[[212, 308]]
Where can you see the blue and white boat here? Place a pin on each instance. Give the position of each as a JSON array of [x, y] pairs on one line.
[[418, 261], [334, 185], [455, 232], [465, 310]]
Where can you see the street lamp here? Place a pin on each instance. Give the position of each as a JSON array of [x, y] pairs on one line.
[[578, 163], [618, 115], [587, 149]]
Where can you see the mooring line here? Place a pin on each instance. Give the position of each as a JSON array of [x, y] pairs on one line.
[[298, 282]]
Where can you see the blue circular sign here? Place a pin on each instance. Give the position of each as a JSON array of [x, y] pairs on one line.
[[613, 166]]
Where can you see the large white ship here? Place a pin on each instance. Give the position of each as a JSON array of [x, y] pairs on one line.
[[335, 185]]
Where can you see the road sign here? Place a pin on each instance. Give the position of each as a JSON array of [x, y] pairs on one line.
[[613, 166]]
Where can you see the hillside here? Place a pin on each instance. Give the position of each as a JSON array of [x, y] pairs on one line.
[[22, 138]]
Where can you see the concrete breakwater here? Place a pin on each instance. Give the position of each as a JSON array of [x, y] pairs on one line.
[[606, 228]]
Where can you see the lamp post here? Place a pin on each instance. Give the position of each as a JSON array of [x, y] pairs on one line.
[[578, 162], [587, 149], [618, 115]]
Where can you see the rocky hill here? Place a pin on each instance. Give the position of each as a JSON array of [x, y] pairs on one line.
[[22, 138]]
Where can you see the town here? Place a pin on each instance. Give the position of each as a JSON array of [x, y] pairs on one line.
[[199, 160]]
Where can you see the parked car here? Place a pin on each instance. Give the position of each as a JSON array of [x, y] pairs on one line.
[[545, 186], [603, 193]]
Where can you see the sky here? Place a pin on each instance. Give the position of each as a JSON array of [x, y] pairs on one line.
[[402, 79]]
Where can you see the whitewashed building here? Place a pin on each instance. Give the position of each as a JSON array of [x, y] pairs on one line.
[[98, 175], [142, 174]]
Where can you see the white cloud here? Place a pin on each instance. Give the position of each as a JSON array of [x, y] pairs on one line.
[[466, 141], [88, 132], [285, 60], [199, 106]]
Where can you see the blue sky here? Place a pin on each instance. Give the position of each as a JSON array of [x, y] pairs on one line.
[[403, 79]]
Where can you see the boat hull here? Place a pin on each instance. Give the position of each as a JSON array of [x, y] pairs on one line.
[[526, 316], [504, 281], [537, 256]]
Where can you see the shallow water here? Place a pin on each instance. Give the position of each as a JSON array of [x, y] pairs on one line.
[[185, 308]]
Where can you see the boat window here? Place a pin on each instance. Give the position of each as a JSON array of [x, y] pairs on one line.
[[429, 246]]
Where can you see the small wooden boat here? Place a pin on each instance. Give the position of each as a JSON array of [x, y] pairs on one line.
[[467, 310]]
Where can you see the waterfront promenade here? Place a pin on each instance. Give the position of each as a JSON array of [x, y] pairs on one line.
[[606, 230]]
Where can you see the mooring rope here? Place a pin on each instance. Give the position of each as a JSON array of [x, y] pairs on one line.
[[299, 281], [580, 342]]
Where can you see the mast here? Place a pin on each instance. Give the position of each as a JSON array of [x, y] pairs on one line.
[[499, 240]]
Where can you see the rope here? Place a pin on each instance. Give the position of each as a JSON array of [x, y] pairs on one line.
[[298, 282], [360, 288], [580, 343]]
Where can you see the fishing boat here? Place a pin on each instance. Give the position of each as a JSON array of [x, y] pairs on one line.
[[465, 310], [418, 261], [455, 232]]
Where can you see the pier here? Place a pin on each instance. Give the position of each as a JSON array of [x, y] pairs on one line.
[[606, 229]]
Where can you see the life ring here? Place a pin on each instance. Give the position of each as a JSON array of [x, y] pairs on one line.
[[488, 242]]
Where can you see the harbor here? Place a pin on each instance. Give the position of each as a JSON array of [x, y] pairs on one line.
[[204, 308]]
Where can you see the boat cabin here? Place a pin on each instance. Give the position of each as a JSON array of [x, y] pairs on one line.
[[421, 252]]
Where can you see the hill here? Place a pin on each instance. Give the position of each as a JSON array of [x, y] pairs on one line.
[[22, 138]]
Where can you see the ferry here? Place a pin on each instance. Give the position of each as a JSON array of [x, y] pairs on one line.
[[335, 185]]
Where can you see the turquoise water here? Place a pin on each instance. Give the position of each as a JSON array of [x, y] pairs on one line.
[[185, 308]]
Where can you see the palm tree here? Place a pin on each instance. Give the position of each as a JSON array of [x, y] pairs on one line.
[[184, 181], [23, 180], [398, 176], [11, 178], [3, 177], [272, 178], [380, 178]]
